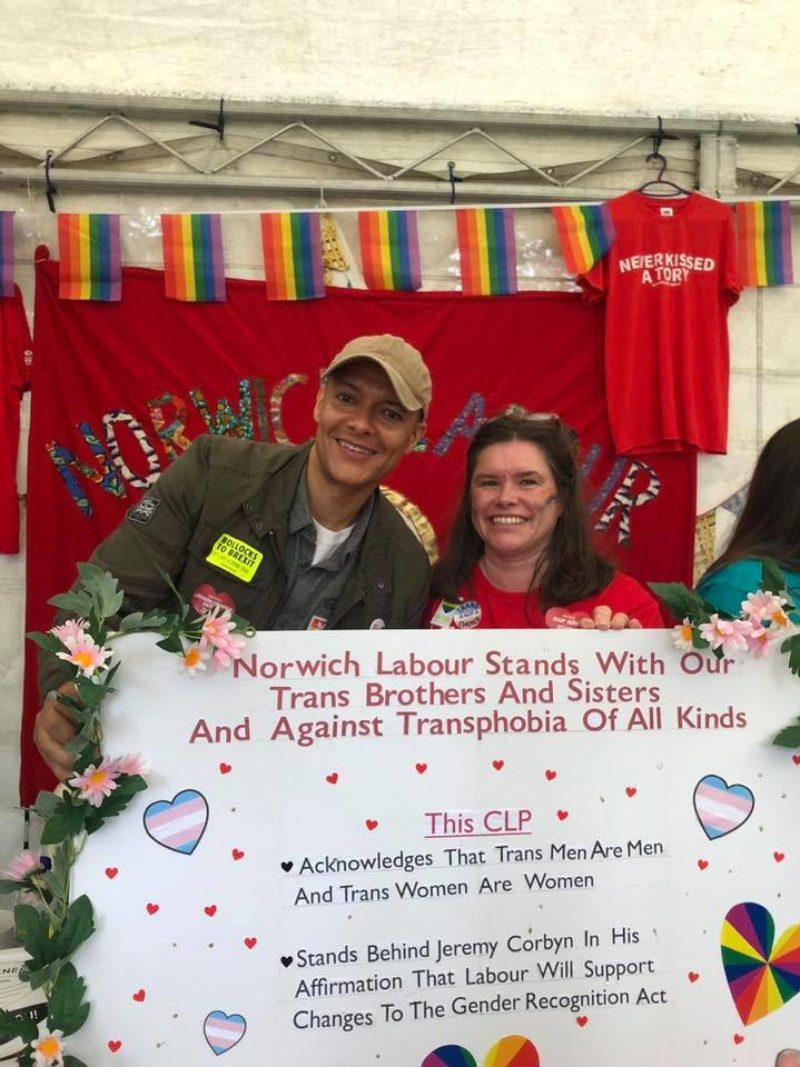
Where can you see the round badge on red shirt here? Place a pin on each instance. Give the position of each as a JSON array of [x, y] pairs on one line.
[[562, 619]]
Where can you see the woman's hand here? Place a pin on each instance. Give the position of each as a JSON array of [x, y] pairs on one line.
[[604, 619], [53, 728]]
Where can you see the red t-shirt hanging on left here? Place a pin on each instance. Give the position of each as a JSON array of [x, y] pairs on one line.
[[15, 358], [668, 281]]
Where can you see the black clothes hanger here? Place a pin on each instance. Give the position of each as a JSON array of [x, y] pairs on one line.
[[671, 188]]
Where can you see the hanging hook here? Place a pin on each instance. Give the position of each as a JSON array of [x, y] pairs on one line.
[[453, 178], [659, 136], [50, 190], [218, 126]]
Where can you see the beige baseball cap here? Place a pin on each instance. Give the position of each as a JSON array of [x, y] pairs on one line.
[[401, 362]]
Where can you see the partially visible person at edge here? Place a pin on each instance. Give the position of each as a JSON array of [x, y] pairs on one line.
[[520, 553], [768, 527], [291, 538]]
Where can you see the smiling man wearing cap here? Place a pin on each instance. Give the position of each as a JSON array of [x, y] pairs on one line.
[[290, 537]]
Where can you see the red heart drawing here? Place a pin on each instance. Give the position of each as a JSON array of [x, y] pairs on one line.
[[693, 976], [251, 942], [210, 910], [237, 854], [152, 909], [631, 790], [372, 824], [139, 996], [738, 1039], [582, 1020], [421, 767], [114, 1046], [549, 775], [702, 864], [562, 815], [498, 764], [225, 768], [779, 856], [205, 597], [796, 759], [332, 778], [112, 872]]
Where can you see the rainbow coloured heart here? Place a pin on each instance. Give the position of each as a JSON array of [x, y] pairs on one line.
[[511, 1051], [762, 975]]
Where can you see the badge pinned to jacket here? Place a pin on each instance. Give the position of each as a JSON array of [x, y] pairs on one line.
[[143, 512], [235, 556], [456, 614]]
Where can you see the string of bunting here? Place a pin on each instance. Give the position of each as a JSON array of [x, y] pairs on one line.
[[390, 249], [292, 243], [194, 269], [585, 233], [487, 251], [765, 242], [89, 263]]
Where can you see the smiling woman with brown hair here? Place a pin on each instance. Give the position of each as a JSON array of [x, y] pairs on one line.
[[520, 552]]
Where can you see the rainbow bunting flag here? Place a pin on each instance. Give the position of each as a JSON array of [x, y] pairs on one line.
[[89, 264], [292, 255], [585, 233], [765, 242], [194, 269], [488, 251], [390, 249], [6, 253]]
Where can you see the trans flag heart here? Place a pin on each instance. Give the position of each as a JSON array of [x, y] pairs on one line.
[[178, 824], [721, 808], [223, 1031]]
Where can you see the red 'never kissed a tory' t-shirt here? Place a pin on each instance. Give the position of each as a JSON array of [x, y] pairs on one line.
[[668, 280]]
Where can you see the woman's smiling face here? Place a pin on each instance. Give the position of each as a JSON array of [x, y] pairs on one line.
[[515, 500]]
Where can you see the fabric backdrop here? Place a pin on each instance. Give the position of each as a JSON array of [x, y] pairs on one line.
[[119, 390]]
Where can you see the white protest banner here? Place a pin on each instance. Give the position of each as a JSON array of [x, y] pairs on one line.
[[427, 849]]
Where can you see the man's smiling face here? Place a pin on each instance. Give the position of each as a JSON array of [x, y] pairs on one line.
[[362, 428]]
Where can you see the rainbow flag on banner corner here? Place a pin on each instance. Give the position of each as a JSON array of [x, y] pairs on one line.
[[292, 244], [585, 233], [765, 242], [6, 253], [194, 266], [89, 263], [390, 249], [487, 250]]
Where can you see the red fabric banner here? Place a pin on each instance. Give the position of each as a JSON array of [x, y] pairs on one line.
[[120, 389]]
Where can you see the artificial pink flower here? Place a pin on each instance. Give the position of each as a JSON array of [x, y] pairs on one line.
[[194, 659], [48, 1051], [728, 634], [96, 783], [759, 641], [682, 636], [217, 625], [70, 631], [217, 635], [85, 654], [132, 763], [21, 867], [762, 605]]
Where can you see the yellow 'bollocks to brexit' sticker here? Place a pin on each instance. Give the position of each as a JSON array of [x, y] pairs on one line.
[[235, 556]]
